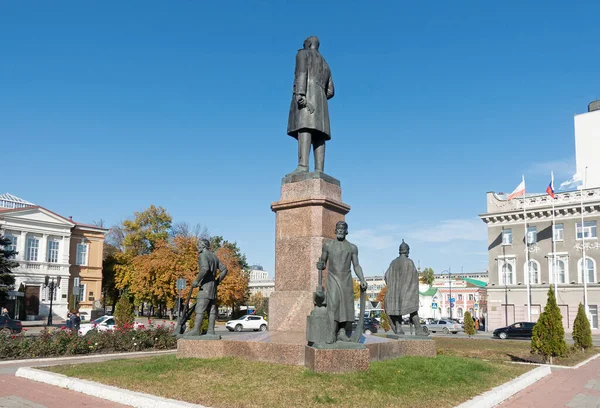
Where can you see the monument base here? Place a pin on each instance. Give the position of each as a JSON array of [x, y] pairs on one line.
[[289, 348], [202, 337], [335, 360]]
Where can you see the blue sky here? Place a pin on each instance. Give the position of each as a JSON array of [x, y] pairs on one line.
[[109, 107]]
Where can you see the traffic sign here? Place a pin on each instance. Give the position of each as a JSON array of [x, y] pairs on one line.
[[452, 300], [180, 284], [451, 304], [476, 306], [434, 305]]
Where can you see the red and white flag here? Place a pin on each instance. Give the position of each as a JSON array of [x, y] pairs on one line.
[[519, 191]]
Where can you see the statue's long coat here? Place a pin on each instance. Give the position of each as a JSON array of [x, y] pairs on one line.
[[340, 288], [402, 281], [312, 78]]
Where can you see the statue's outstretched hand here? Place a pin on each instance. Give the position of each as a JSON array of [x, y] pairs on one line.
[[320, 265], [363, 285]]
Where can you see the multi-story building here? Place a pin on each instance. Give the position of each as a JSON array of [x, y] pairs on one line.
[[259, 281], [470, 295], [52, 246], [375, 284], [526, 244]]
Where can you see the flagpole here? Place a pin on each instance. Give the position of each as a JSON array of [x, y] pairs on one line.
[[583, 260], [526, 257], [555, 272]]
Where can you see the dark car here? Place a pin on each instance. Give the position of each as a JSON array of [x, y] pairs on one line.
[[370, 325], [515, 330], [8, 325]]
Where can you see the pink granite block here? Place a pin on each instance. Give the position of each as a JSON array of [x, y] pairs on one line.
[[336, 361]]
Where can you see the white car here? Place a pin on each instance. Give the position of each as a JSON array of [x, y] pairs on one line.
[[247, 322], [104, 323]]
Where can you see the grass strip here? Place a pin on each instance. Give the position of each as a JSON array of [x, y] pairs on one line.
[[444, 381]]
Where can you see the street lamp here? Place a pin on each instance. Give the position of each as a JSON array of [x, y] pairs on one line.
[[450, 283], [51, 283]]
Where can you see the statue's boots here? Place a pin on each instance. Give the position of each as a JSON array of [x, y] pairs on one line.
[[418, 328], [299, 169], [193, 332], [399, 330], [342, 336]]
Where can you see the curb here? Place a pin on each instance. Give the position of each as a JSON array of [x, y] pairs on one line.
[[502, 392], [107, 392], [88, 356]]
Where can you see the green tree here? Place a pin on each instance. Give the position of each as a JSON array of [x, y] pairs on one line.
[[7, 279], [548, 333], [582, 333], [147, 228], [427, 276], [217, 242], [124, 311], [469, 324]]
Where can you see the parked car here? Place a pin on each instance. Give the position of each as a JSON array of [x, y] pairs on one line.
[[103, 323], [445, 325], [520, 329], [8, 325], [370, 326], [247, 322]]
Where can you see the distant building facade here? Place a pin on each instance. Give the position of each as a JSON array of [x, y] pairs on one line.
[[555, 253], [259, 281], [54, 246]]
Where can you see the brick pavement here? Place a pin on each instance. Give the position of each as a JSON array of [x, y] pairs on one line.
[[19, 392], [572, 388]]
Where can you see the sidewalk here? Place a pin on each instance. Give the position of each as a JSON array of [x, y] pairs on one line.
[[19, 392], [573, 388]]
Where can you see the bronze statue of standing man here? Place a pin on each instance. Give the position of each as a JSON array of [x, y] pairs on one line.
[[338, 256], [309, 114], [207, 280], [402, 297]]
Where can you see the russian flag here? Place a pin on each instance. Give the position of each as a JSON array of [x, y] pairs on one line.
[[550, 188], [519, 191]]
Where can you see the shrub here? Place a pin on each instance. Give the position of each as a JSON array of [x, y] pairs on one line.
[[385, 322], [582, 333], [124, 312], [548, 333], [66, 342], [469, 324]]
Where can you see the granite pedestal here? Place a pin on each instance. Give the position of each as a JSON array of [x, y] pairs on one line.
[[290, 349], [309, 207]]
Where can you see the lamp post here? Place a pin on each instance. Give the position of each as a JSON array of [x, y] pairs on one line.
[[52, 284], [449, 283]]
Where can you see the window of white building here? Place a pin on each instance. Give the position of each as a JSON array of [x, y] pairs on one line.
[[590, 268], [33, 247], [53, 251], [460, 296], [507, 237], [82, 254], [507, 274], [531, 235], [12, 246], [589, 229], [559, 232], [534, 272], [561, 271], [471, 296], [460, 312]]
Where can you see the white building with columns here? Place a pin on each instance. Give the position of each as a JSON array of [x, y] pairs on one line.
[[42, 240]]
